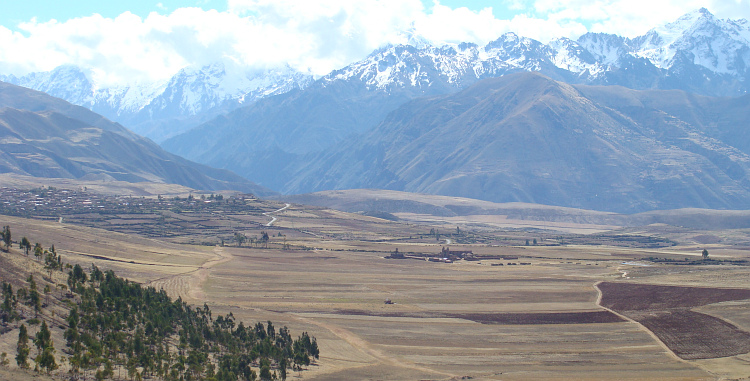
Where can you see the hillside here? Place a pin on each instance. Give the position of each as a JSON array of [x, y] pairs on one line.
[[42, 136], [92, 322], [527, 138], [423, 207]]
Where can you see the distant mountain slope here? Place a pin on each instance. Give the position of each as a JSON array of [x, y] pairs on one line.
[[697, 53], [527, 138], [363, 200], [44, 136], [160, 110]]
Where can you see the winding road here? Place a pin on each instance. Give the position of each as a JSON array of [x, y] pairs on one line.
[[273, 218]]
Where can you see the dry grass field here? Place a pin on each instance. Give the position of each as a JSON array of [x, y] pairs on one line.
[[448, 321]]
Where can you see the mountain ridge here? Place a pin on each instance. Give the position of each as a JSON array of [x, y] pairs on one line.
[[161, 109], [295, 125], [527, 138], [675, 55], [44, 136]]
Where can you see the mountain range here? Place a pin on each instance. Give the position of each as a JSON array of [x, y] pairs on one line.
[[527, 138], [43, 136], [697, 53], [160, 110], [591, 131]]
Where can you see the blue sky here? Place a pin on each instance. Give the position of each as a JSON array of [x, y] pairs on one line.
[[157, 38]]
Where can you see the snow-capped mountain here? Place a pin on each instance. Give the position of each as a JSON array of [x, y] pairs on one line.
[[270, 140], [73, 84], [457, 66], [718, 45], [698, 53], [697, 42], [162, 109]]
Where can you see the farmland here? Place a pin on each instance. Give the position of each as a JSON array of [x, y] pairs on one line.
[[666, 311], [326, 272]]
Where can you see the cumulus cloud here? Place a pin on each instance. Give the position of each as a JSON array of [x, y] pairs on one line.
[[313, 35]]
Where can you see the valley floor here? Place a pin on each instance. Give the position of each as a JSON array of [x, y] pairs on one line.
[[487, 319]]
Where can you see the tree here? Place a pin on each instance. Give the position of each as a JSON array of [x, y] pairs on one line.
[[34, 299], [46, 360], [43, 338], [25, 245], [265, 370], [47, 290], [22, 348], [38, 251], [264, 239], [8, 308], [705, 254], [240, 238], [6, 237]]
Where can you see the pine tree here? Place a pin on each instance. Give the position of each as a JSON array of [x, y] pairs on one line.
[[22, 348], [6, 237]]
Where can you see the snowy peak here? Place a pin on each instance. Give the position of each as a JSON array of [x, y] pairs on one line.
[[146, 108], [717, 45], [697, 52], [606, 49], [459, 65], [195, 90], [68, 82], [573, 56], [697, 44]]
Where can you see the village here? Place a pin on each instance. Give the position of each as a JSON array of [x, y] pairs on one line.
[[446, 255]]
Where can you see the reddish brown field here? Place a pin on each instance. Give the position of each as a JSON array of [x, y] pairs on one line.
[[635, 297], [585, 317], [665, 311], [588, 317], [693, 335]]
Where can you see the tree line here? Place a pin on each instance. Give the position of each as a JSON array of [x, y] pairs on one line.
[[116, 328]]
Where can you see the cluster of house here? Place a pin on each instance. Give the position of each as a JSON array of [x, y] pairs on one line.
[[447, 255]]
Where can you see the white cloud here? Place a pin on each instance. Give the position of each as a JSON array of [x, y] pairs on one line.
[[630, 18], [315, 35]]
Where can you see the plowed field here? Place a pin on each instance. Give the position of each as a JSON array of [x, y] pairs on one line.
[[632, 297], [665, 311], [693, 335]]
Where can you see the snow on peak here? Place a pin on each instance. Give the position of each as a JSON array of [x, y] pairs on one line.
[[711, 42]]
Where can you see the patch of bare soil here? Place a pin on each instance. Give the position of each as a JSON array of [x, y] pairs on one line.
[[585, 317], [693, 335], [634, 297], [665, 311]]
